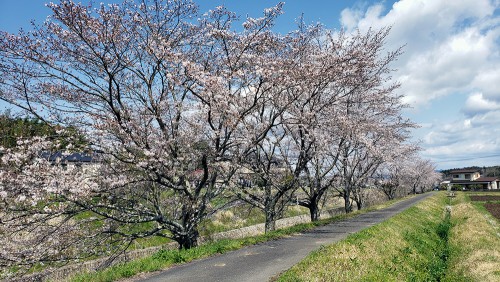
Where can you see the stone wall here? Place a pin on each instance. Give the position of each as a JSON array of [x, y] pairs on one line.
[[62, 273]]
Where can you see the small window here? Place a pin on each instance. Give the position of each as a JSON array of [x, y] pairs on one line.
[[456, 176], [467, 176]]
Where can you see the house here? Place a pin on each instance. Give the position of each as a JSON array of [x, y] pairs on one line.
[[488, 182], [74, 158], [88, 161], [465, 174], [471, 179]]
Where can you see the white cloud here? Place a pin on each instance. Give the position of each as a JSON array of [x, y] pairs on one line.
[[350, 18], [466, 142], [452, 50], [477, 104], [446, 46], [488, 81], [489, 121]]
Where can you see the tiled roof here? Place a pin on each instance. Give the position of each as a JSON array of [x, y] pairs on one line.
[[486, 179], [463, 181], [476, 181], [73, 157], [470, 170]]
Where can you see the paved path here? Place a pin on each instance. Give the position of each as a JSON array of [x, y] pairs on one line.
[[264, 261]]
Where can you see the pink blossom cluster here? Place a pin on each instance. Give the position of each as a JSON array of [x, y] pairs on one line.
[[182, 112]]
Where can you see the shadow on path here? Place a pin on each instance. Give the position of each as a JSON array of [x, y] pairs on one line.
[[264, 261]]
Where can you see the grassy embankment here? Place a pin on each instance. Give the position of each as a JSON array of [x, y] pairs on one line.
[[232, 218], [166, 258], [421, 244], [475, 238]]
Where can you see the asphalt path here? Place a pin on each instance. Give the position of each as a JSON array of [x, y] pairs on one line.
[[264, 261]]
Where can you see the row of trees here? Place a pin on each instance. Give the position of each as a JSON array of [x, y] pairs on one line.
[[16, 129], [186, 112]]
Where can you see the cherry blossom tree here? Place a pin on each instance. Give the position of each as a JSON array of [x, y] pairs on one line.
[[326, 63], [273, 177], [388, 179], [41, 203], [178, 104], [408, 173], [371, 124], [421, 174], [166, 99], [272, 160], [394, 175]]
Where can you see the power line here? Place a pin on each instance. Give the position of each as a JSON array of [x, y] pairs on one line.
[[468, 158]]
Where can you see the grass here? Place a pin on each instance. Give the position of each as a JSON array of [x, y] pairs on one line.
[[246, 215], [475, 242], [411, 246], [424, 243], [166, 258]]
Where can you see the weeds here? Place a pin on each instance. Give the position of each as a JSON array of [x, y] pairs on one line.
[[408, 247], [474, 243], [165, 258]]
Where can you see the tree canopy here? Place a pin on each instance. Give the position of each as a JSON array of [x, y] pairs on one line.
[[182, 111]]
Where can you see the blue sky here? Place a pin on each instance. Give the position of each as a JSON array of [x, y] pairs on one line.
[[450, 71]]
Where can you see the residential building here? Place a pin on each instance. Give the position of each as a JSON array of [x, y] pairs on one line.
[[471, 179]]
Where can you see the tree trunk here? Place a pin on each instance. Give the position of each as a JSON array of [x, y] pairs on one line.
[[392, 195], [270, 209], [270, 224], [347, 202], [359, 204], [187, 240], [187, 235], [314, 211], [390, 192]]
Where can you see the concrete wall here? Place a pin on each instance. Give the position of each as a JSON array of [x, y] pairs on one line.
[[62, 273]]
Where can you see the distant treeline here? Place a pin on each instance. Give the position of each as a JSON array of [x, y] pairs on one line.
[[487, 171], [13, 129]]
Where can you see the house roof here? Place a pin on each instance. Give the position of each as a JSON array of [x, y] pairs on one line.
[[73, 157], [486, 179], [476, 181], [470, 170], [461, 182]]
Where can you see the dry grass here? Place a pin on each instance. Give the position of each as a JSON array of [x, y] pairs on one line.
[[403, 248], [475, 239]]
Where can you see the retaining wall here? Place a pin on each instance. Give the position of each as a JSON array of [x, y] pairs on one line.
[[62, 273]]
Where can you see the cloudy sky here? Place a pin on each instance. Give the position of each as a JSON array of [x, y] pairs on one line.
[[450, 71]]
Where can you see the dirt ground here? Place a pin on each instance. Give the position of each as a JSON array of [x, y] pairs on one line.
[[494, 209], [485, 198]]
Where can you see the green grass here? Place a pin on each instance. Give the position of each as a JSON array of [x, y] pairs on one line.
[[424, 243], [474, 242], [166, 258], [242, 216], [148, 264], [421, 244], [411, 246]]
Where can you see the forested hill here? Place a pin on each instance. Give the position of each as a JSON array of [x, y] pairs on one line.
[[13, 129]]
